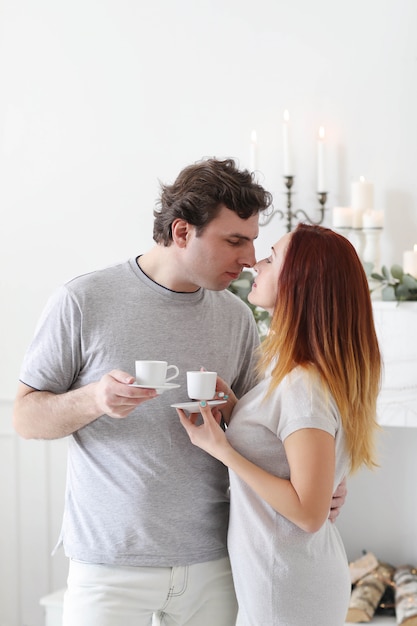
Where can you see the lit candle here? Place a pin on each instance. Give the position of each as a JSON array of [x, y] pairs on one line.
[[342, 217], [362, 199], [287, 147], [253, 152], [410, 262], [321, 184], [362, 194], [372, 219]]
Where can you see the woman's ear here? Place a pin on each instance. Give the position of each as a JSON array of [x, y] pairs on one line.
[[181, 232]]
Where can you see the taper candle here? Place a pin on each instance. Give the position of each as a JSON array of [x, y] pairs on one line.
[[287, 145], [321, 180], [253, 152]]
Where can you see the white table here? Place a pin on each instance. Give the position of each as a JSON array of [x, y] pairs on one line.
[[53, 607]]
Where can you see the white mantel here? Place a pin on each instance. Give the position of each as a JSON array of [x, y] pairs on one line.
[[396, 326]]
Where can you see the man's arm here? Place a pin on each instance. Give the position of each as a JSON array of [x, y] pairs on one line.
[[46, 415]]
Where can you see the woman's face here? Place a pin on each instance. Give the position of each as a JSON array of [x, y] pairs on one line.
[[265, 286]]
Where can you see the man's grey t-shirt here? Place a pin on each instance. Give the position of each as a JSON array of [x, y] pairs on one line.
[[138, 492]]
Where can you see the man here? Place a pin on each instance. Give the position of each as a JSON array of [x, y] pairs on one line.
[[146, 512]]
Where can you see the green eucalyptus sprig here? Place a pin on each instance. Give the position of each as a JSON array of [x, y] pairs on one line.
[[395, 284], [241, 288]]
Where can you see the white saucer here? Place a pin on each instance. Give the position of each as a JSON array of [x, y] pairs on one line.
[[160, 388], [190, 406]]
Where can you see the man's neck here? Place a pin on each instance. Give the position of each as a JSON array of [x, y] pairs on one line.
[[162, 266]]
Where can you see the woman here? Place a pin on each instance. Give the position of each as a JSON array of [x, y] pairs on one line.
[[309, 421]]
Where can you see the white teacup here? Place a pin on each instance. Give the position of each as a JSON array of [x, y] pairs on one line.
[[201, 385], [154, 373]]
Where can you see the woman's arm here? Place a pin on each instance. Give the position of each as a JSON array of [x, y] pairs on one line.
[[305, 498]]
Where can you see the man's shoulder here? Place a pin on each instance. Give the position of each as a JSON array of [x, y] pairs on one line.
[[103, 274]]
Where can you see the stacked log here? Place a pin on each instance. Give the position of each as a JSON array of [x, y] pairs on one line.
[[368, 592], [405, 579], [362, 566], [373, 582]]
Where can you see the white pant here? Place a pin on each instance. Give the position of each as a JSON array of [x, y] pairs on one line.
[[194, 595]]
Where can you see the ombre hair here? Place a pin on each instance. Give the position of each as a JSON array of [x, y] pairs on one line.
[[323, 321]]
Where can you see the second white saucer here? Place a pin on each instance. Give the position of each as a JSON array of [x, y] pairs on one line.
[[195, 406]]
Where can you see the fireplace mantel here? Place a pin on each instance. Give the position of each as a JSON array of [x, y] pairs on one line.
[[396, 326]]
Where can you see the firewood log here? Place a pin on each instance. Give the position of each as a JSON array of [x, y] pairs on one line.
[[405, 579], [367, 593], [362, 566]]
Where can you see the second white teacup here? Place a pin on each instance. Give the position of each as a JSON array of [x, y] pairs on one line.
[[201, 385], [154, 373]]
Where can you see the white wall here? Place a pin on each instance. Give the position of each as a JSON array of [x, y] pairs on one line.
[[380, 514], [102, 98]]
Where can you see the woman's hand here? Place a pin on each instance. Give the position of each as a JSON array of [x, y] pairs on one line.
[[209, 435], [224, 392]]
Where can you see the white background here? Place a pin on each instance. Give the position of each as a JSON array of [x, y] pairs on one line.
[[101, 99]]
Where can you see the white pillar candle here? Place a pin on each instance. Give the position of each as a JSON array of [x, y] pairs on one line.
[[372, 219], [287, 145], [362, 194], [321, 178], [410, 262], [357, 218], [342, 217], [253, 162], [362, 198]]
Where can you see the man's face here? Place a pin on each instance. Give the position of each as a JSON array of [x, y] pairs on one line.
[[226, 246]]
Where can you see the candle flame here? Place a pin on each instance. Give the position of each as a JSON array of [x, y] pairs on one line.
[[321, 132], [253, 136], [415, 247], [286, 116], [362, 179]]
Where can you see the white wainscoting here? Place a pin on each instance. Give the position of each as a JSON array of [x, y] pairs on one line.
[[32, 483]]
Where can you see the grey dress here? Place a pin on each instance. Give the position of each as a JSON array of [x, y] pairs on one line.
[[283, 575]]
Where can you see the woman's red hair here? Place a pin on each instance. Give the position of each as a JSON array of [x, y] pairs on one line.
[[323, 320]]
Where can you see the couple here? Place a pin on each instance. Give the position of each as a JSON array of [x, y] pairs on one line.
[[146, 512]]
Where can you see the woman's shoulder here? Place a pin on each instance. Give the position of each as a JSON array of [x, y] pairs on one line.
[[302, 378], [304, 385]]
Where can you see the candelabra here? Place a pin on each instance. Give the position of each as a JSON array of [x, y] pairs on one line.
[[366, 241], [290, 214]]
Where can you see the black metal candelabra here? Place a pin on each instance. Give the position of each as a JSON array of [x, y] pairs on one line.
[[298, 214]]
